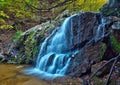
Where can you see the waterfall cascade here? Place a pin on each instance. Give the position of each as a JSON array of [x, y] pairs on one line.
[[56, 51], [101, 30]]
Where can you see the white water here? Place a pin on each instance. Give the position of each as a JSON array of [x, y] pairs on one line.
[[101, 30], [55, 53]]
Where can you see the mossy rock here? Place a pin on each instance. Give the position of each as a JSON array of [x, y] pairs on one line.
[[106, 10], [29, 42]]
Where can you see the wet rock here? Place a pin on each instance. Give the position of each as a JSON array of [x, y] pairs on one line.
[[90, 50], [85, 28]]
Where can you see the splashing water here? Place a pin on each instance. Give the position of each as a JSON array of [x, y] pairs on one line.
[[55, 53]]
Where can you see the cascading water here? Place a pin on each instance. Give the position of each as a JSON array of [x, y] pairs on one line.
[[57, 50], [101, 30], [55, 53], [53, 57]]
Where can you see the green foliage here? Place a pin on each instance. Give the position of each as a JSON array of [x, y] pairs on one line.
[[17, 36], [28, 50], [12, 11], [6, 26], [115, 44], [3, 15], [3, 23], [87, 5]]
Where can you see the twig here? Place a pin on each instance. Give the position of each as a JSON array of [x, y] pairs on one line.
[[107, 82], [101, 68], [115, 59]]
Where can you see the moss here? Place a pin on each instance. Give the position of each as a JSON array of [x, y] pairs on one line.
[[110, 11], [115, 43], [30, 46], [16, 37], [98, 81]]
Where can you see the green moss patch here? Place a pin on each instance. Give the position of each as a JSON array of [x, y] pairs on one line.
[[115, 44], [110, 11]]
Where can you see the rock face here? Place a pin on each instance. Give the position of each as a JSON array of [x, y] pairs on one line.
[[96, 48], [90, 48], [95, 37]]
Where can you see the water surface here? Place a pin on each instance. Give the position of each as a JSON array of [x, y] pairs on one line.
[[11, 75]]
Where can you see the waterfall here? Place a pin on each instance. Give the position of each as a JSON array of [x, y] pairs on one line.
[[55, 52], [54, 57], [101, 30]]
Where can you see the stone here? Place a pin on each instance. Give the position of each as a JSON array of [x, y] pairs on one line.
[[90, 50]]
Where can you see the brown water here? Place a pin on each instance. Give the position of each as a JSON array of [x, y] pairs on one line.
[[11, 75]]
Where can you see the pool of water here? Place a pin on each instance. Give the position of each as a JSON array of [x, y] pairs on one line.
[[12, 75]]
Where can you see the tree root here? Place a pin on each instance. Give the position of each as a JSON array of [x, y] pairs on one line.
[[115, 59]]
